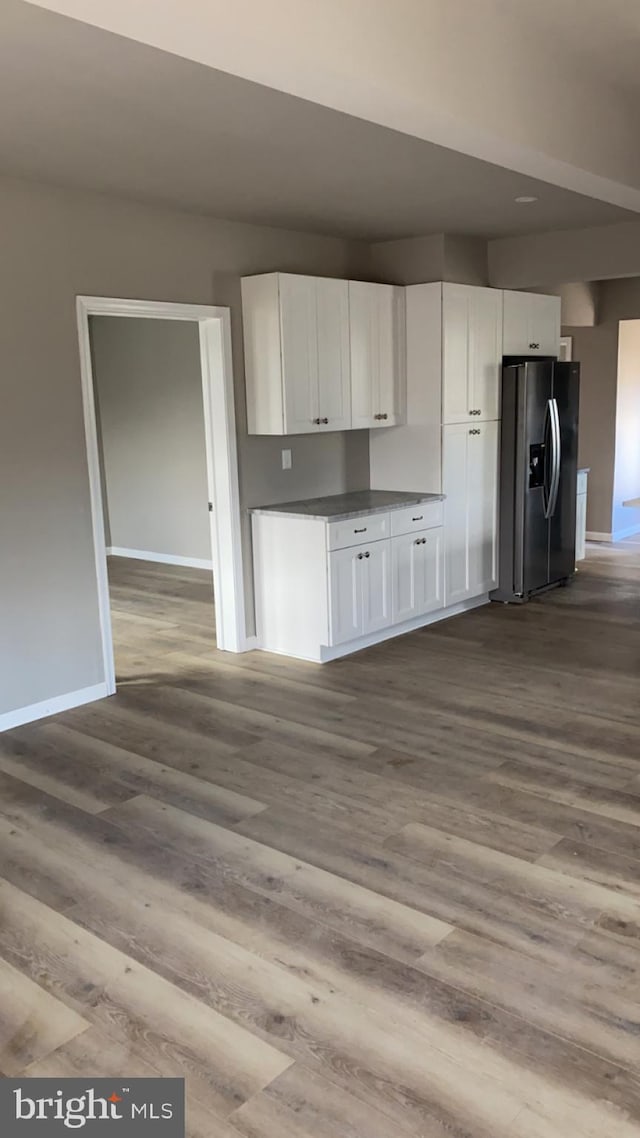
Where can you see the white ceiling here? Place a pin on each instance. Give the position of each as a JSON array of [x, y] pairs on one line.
[[80, 106]]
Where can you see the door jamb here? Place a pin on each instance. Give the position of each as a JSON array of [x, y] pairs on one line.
[[214, 326]]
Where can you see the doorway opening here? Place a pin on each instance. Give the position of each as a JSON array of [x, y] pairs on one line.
[[164, 529]]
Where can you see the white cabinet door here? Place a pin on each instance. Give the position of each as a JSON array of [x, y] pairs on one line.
[[531, 324], [456, 353], [486, 353], [345, 589], [483, 508], [334, 365], [360, 590], [376, 336], [376, 585], [416, 574], [470, 483], [471, 352], [299, 353]]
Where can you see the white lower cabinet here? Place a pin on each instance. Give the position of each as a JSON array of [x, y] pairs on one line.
[[360, 590], [323, 587], [470, 486], [416, 574]]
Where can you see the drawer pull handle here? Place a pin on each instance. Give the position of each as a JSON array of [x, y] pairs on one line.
[[418, 519], [363, 530]]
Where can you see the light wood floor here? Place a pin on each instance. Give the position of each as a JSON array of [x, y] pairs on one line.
[[392, 897]]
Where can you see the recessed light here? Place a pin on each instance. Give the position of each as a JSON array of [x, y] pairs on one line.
[[526, 199]]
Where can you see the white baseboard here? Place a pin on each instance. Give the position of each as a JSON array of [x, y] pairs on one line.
[[21, 715], [619, 534], [630, 531], [162, 558]]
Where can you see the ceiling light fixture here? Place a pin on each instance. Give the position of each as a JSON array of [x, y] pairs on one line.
[[526, 199]]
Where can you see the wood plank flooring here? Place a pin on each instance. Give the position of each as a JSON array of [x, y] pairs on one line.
[[397, 896]]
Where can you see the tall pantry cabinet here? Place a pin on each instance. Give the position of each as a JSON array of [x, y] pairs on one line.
[[451, 440]]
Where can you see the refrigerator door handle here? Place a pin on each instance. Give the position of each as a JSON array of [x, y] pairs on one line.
[[557, 458], [548, 465]]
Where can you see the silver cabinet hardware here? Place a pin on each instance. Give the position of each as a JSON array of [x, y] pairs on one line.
[[385, 416], [317, 422], [534, 346], [363, 530], [474, 431], [360, 556], [324, 420], [418, 519], [420, 541], [367, 554]]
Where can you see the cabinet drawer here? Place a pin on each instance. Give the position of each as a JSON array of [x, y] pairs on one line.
[[423, 516], [357, 531]]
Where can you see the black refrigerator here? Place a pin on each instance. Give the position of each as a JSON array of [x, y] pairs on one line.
[[538, 474]]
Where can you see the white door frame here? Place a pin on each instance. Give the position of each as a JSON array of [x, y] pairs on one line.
[[214, 325]]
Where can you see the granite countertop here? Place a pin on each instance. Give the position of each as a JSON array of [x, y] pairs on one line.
[[351, 505]]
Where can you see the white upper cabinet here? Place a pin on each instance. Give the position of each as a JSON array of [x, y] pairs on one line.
[[531, 324], [296, 341], [471, 353], [377, 332]]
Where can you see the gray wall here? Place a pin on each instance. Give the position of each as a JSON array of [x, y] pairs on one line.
[[148, 383], [57, 244], [597, 350], [439, 257]]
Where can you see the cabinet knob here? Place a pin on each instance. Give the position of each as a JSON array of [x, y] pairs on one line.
[[474, 431], [360, 556], [316, 421], [385, 416], [367, 554], [323, 420], [534, 346]]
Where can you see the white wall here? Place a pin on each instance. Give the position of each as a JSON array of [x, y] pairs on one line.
[[57, 244], [626, 482], [148, 385]]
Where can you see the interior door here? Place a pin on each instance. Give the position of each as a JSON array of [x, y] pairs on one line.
[[562, 523], [334, 364], [538, 470], [299, 347]]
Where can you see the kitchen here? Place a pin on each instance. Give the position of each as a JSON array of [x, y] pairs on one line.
[[420, 367]]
